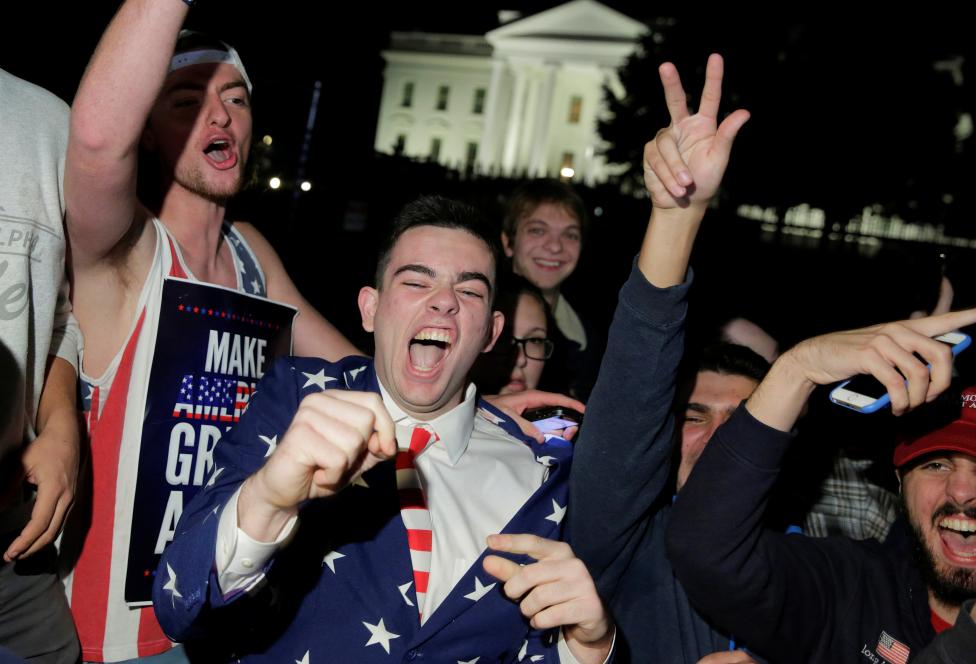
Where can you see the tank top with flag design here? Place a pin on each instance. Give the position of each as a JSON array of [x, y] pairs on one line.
[[112, 406]]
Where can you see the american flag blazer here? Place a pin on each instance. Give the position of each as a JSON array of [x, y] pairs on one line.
[[342, 590]]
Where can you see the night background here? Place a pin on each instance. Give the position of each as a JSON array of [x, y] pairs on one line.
[[847, 112]]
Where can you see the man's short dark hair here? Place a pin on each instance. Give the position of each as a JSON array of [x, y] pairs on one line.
[[533, 193], [721, 357], [731, 359], [442, 213]]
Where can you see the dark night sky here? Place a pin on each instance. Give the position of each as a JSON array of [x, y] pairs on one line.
[[283, 47], [286, 50]]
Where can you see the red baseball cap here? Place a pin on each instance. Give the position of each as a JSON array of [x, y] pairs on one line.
[[957, 436]]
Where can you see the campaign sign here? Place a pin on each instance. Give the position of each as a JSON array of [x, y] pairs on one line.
[[213, 344]]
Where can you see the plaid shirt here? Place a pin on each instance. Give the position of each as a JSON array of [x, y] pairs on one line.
[[852, 505]]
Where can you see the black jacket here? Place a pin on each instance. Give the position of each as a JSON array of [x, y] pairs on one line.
[[621, 499], [793, 598], [956, 645]]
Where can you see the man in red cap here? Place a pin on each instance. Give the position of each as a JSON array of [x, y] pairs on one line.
[[937, 471]]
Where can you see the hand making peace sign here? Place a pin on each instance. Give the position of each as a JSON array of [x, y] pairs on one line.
[[685, 162]]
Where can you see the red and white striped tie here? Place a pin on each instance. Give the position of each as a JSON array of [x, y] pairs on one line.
[[413, 510]]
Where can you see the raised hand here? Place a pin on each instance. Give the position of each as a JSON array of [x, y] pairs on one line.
[[335, 436], [685, 162], [883, 351]]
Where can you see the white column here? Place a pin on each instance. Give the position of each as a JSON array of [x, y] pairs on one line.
[[514, 120], [540, 127], [523, 146], [490, 138]]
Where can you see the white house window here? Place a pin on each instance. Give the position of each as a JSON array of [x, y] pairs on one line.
[[442, 94], [575, 108], [406, 101], [479, 101]]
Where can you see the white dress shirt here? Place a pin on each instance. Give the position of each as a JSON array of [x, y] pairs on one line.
[[568, 322]]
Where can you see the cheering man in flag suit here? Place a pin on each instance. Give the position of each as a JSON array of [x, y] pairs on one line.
[[349, 511]]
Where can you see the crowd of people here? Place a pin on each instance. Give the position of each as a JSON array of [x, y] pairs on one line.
[[198, 467]]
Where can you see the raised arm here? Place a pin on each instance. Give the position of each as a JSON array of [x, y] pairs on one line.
[[622, 457], [683, 168], [746, 578], [109, 113]]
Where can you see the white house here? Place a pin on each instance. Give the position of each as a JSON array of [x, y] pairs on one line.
[[523, 98]]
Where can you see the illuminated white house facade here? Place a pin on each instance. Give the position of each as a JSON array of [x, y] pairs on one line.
[[524, 98]]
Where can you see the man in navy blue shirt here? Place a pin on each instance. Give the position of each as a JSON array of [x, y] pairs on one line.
[[621, 506]]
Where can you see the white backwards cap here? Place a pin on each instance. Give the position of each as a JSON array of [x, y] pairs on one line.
[[196, 48]]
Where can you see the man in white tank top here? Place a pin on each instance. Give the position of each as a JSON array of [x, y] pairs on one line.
[[186, 117]]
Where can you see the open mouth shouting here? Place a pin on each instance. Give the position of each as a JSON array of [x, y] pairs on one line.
[[428, 349], [958, 535], [220, 152]]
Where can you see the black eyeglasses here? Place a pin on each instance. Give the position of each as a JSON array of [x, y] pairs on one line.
[[535, 348]]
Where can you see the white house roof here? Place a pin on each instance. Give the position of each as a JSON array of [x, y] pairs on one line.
[[577, 20]]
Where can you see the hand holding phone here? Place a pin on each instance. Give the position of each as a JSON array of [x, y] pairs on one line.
[[865, 394], [553, 419]]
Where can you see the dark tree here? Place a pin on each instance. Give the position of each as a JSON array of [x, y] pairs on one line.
[[846, 112]]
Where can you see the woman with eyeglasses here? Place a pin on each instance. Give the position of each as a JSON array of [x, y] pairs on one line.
[[516, 362]]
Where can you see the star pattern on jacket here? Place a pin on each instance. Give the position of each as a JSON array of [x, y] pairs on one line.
[[271, 442], [379, 635], [318, 379], [352, 373], [558, 513], [171, 585], [403, 591], [480, 590], [330, 559]]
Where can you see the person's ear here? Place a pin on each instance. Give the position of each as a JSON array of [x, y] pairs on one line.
[[368, 301]]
